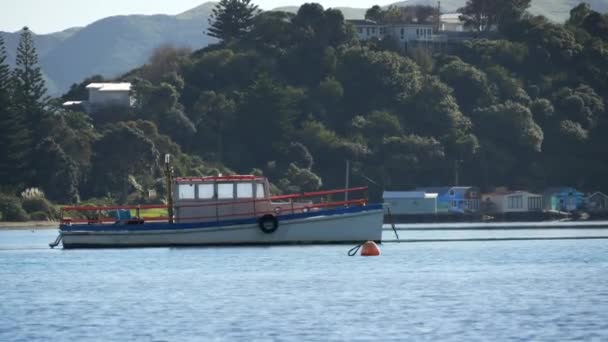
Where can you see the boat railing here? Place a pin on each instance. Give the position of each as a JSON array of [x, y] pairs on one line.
[[289, 204]]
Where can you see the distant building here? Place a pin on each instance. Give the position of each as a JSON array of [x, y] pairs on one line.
[[505, 201], [110, 94], [563, 199], [597, 202], [455, 199], [451, 22], [404, 35], [410, 202], [106, 94]]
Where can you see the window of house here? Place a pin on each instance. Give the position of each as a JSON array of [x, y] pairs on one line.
[[225, 190], [360, 29], [205, 191], [185, 191], [373, 30], [244, 190], [515, 202], [367, 30], [535, 203], [259, 190]]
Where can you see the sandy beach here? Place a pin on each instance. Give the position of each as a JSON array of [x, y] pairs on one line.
[[29, 225]]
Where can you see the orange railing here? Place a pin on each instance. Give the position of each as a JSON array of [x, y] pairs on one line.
[[100, 214]]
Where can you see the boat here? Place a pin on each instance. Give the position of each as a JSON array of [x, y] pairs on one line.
[[226, 210]]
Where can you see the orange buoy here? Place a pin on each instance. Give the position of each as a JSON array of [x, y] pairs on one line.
[[370, 249]]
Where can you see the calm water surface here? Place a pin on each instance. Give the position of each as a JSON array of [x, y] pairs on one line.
[[461, 291]]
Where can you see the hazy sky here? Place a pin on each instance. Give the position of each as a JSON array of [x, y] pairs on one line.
[[43, 16]]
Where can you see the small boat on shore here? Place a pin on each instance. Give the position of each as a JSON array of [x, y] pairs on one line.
[[226, 210]]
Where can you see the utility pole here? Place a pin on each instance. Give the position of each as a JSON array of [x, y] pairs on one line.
[[457, 163], [169, 176]]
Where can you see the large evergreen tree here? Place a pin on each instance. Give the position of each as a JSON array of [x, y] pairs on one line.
[[13, 135], [231, 19], [484, 15], [30, 89]]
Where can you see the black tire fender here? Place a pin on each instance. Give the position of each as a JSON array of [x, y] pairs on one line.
[[268, 224]]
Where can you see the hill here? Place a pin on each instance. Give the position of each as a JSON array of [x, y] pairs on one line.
[[114, 45]]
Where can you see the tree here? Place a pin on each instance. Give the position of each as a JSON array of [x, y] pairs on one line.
[[30, 89], [56, 172], [485, 15], [232, 19], [14, 136], [133, 154], [374, 13]]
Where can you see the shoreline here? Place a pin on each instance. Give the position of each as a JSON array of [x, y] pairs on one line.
[[29, 225]]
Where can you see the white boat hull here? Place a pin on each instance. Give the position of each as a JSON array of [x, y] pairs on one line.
[[341, 228]]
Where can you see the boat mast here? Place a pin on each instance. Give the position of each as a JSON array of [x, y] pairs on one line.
[[347, 180], [169, 176]]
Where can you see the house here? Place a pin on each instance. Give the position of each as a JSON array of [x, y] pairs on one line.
[[451, 22], [597, 202], [455, 199], [366, 29], [103, 95], [410, 202], [110, 94], [505, 201], [403, 34], [563, 199]]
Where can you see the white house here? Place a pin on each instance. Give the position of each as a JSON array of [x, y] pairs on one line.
[[451, 22], [504, 201], [110, 94], [401, 33], [410, 202], [366, 29]]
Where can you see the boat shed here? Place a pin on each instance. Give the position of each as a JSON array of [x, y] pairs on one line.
[[410, 202]]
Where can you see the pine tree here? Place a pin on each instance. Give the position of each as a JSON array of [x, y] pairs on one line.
[[30, 90], [13, 135], [231, 19]]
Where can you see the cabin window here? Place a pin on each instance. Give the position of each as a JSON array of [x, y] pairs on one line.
[[205, 191], [244, 190], [225, 190], [259, 190], [186, 191]]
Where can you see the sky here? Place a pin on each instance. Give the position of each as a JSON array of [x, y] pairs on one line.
[[43, 16]]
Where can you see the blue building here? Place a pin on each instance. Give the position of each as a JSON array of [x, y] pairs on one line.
[[563, 199], [455, 199]]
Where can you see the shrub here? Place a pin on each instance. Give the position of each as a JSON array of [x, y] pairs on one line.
[[11, 209], [39, 216], [40, 205]]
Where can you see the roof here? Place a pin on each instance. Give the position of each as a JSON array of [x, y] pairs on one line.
[[407, 194], [445, 189], [122, 86], [71, 103], [598, 193], [362, 22], [510, 193], [451, 18], [230, 178]]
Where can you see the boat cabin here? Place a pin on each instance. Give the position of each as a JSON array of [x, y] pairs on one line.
[[203, 199]]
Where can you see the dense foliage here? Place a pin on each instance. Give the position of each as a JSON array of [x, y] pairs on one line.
[[295, 96]]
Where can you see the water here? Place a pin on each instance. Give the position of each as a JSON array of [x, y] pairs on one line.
[[457, 291]]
